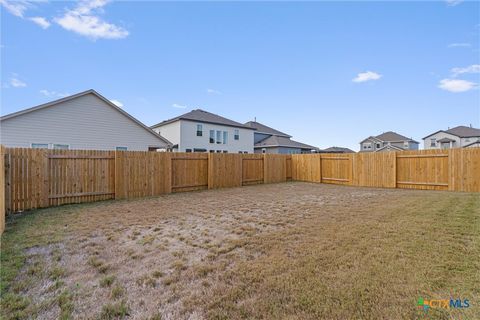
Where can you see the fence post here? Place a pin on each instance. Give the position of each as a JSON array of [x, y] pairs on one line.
[[45, 180], [2, 189]]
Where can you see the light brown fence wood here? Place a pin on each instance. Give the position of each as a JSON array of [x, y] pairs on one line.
[[374, 169], [252, 169], [465, 170], [336, 168], [77, 176], [288, 167], [426, 170], [142, 174], [189, 171], [275, 168], [36, 178], [306, 167], [225, 170]]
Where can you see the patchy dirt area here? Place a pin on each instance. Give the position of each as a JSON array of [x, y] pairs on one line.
[[200, 254]]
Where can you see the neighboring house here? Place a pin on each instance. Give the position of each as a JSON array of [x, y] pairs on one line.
[[458, 137], [388, 141], [336, 150], [269, 140], [475, 144], [85, 121], [202, 131]]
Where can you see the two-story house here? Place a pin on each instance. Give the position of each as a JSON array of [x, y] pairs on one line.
[[202, 131], [458, 137], [388, 141], [269, 140]]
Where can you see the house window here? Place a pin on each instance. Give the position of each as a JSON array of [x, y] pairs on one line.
[[219, 151], [405, 144], [433, 142], [212, 136], [40, 145], [199, 130], [237, 134], [219, 137], [225, 137], [378, 145], [211, 151], [61, 146], [199, 150], [188, 150], [225, 151], [264, 150], [121, 148]]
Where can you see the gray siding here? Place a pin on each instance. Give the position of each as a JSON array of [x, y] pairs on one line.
[[85, 122]]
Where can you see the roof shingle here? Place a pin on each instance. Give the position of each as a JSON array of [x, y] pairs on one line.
[[204, 116], [261, 128], [279, 141]]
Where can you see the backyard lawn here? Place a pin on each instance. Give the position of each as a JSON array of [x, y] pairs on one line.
[[280, 251]]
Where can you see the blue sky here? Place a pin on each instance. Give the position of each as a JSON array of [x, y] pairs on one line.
[[328, 73]]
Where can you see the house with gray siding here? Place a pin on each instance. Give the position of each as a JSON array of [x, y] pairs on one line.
[[203, 131], [86, 120], [388, 141], [457, 137], [269, 140]]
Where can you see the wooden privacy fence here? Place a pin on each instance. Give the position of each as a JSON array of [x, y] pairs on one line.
[[454, 170], [38, 178]]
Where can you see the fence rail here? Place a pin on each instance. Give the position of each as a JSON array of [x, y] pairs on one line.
[[37, 178]]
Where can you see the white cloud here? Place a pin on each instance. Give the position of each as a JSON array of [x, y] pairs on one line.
[[17, 83], [452, 3], [367, 76], [85, 21], [17, 8], [178, 106], [53, 94], [213, 91], [474, 68], [456, 85], [456, 45], [117, 103], [41, 21]]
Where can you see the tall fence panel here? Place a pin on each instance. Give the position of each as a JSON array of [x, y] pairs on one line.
[[306, 167], [374, 169], [142, 174], [464, 170], [336, 168], [426, 170], [275, 168], [189, 171], [77, 176], [225, 170], [27, 173], [252, 169]]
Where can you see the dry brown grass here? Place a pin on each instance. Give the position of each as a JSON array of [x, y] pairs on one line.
[[296, 251]]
